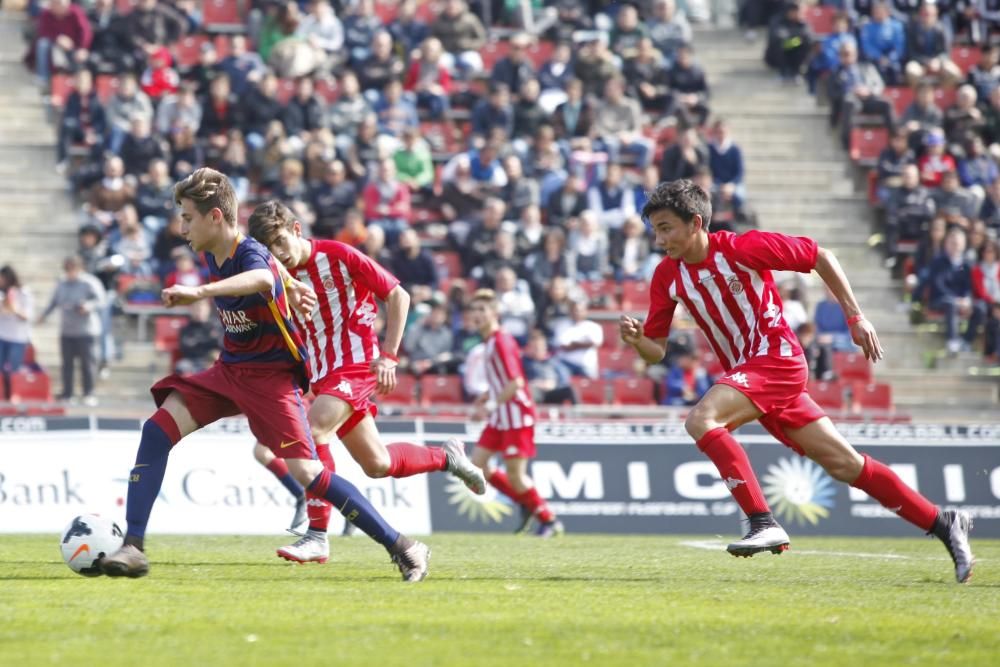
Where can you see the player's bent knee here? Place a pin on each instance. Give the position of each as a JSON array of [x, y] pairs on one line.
[[304, 470], [698, 423], [262, 454], [376, 466], [842, 467]]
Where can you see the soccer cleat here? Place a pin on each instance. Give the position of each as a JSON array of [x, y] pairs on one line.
[[126, 562], [301, 514], [313, 547], [460, 466], [412, 561], [764, 535], [953, 529], [527, 517], [548, 529]]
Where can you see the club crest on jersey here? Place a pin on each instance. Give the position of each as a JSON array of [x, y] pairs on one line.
[[735, 286], [328, 283]]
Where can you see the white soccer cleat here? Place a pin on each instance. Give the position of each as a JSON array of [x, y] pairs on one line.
[[769, 537], [959, 525], [313, 547], [462, 467], [413, 561]]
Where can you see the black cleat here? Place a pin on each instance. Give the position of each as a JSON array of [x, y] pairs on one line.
[[953, 529], [524, 521]]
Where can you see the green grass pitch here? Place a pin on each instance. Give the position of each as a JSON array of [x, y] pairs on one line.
[[505, 600]]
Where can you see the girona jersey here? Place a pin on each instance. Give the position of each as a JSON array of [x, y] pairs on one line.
[[341, 329], [503, 364], [258, 327], [731, 295]]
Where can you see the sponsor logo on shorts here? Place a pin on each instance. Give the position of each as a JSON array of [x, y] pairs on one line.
[[512, 450], [740, 379], [289, 444], [344, 388]]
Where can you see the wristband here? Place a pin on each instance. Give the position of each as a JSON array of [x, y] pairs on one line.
[[390, 357], [854, 320]]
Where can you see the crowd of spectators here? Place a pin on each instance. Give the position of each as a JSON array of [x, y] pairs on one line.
[[929, 74], [459, 153]]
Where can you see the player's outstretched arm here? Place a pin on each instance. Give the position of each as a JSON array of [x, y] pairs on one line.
[[862, 331], [242, 284], [652, 350]]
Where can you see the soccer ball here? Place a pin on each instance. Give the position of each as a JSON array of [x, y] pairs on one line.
[[87, 539]]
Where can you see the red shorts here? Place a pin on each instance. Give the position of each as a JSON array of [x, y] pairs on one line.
[[515, 443], [355, 384], [777, 386], [270, 398]]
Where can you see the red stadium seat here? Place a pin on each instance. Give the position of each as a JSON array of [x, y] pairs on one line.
[[867, 144], [874, 398], [440, 137], [106, 86], [492, 52], [426, 11], [820, 19], [596, 290], [188, 50], [286, 89], [632, 391], [30, 358], [828, 395], [223, 16], [29, 386], [405, 392], [945, 97], [872, 187], [386, 10], [167, 332], [436, 389], [540, 53], [327, 90], [965, 57], [448, 264], [124, 7], [60, 86], [712, 364], [612, 337], [635, 295], [852, 366], [615, 362], [589, 392], [900, 96], [223, 46]]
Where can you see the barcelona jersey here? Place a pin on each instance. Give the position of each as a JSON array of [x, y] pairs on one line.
[[258, 327]]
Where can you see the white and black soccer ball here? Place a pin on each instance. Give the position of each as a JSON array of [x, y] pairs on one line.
[[87, 539]]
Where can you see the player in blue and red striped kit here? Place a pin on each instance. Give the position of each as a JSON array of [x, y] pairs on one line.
[[260, 373]]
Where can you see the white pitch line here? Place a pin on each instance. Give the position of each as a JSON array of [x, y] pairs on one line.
[[715, 545]]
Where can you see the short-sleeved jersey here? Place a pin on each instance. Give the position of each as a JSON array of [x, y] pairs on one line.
[[503, 364], [341, 329], [258, 327], [731, 295]]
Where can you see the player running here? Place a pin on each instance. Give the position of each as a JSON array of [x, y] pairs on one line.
[[724, 281], [510, 431], [347, 364], [259, 374]]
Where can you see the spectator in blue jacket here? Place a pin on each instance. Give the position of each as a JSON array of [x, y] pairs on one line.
[[827, 57], [725, 159], [883, 44], [950, 282], [687, 380]]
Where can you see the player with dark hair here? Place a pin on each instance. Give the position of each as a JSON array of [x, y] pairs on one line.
[[724, 281], [260, 374], [510, 431], [347, 365]]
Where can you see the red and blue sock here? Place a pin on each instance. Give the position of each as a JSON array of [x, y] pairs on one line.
[[350, 502], [279, 469], [159, 435]]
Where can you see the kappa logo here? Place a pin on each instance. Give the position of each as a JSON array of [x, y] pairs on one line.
[[366, 314], [740, 379], [731, 482], [344, 388]]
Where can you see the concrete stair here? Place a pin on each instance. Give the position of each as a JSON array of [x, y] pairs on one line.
[[800, 181]]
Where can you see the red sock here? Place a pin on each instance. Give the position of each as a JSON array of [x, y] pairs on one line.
[[536, 504], [882, 484], [318, 508], [407, 459], [499, 480], [323, 451], [734, 466], [278, 468]]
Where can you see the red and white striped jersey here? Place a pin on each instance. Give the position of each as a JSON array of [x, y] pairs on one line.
[[731, 295], [503, 364], [341, 329]]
